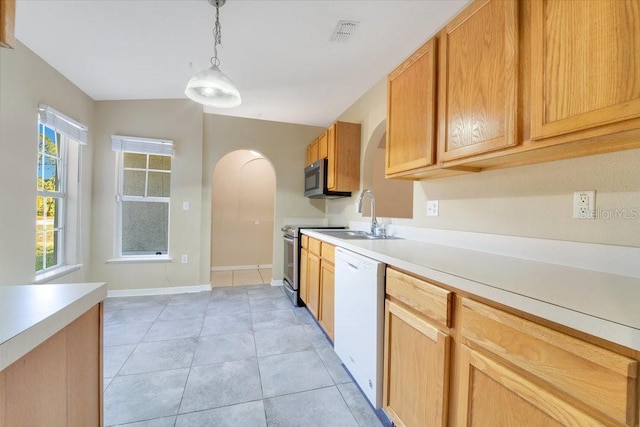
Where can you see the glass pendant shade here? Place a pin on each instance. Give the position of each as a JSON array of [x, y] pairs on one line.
[[211, 87]]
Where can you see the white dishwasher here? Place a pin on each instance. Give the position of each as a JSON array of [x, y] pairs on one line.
[[359, 320]]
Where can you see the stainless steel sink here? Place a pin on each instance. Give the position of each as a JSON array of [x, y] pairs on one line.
[[356, 235]]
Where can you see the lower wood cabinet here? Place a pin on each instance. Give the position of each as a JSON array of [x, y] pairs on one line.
[[557, 377], [59, 383], [416, 374], [327, 287], [452, 360], [493, 394], [416, 351], [317, 289], [313, 284], [304, 284]]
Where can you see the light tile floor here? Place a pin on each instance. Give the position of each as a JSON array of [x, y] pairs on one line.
[[236, 356], [241, 277]]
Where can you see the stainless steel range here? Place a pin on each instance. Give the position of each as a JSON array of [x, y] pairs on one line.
[[291, 279]]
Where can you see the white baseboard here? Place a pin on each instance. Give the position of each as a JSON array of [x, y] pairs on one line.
[[241, 267], [157, 291], [275, 282]]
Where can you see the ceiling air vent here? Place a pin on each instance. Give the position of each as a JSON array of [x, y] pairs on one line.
[[344, 30]]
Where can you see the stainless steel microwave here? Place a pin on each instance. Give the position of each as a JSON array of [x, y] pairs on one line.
[[315, 182]]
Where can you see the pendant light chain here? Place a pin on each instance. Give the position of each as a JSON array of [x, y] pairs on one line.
[[217, 37]]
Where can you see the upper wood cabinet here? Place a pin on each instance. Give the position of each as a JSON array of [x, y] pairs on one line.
[[323, 150], [340, 145], [411, 113], [478, 80], [312, 152], [7, 23], [585, 65]]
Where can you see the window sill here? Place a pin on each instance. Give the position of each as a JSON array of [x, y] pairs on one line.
[[140, 259], [54, 274]]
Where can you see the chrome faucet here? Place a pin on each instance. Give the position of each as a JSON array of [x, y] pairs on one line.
[[375, 229]]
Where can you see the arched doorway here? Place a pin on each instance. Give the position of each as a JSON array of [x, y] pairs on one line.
[[242, 215]]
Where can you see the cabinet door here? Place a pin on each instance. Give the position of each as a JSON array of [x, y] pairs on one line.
[[313, 284], [416, 369], [477, 105], [583, 372], [411, 112], [323, 152], [492, 394], [7, 23], [331, 155], [312, 152], [327, 290], [304, 254], [585, 64], [343, 153]]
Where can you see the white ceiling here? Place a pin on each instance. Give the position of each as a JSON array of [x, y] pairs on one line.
[[278, 53]]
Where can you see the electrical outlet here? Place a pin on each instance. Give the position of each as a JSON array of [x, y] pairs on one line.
[[185, 259], [584, 204], [432, 208]]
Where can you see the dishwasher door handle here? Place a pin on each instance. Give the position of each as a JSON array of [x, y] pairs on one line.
[[355, 267]]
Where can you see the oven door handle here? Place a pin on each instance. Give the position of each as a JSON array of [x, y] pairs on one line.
[[288, 239]]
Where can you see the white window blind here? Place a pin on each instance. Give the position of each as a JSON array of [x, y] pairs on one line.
[[134, 144], [63, 124]]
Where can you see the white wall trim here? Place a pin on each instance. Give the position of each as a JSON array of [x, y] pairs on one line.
[[157, 291], [241, 267], [275, 282], [56, 273], [622, 260]]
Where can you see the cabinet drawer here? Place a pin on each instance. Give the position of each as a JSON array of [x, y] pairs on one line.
[[304, 241], [329, 252], [602, 379], [424, 297], [314, 246]]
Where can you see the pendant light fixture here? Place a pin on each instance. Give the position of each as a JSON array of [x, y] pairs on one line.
[[211, 87]]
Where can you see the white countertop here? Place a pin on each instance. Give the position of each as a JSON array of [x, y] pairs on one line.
[[31, 314], [601, 304]]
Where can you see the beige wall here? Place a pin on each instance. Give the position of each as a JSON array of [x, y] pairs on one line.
[[180, 121], [242, 209], [394, 197], [284, 145], [25, 81], [532, 201]]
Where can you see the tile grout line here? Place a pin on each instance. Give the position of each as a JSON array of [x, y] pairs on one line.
[[184, 388], [255, 347]]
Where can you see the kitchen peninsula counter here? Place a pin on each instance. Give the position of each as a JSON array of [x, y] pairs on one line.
[[600, 304], [51, 354], [31, 314]]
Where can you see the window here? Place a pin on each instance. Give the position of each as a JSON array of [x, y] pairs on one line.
[[144, 195], [57, 232], [50, 201]]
